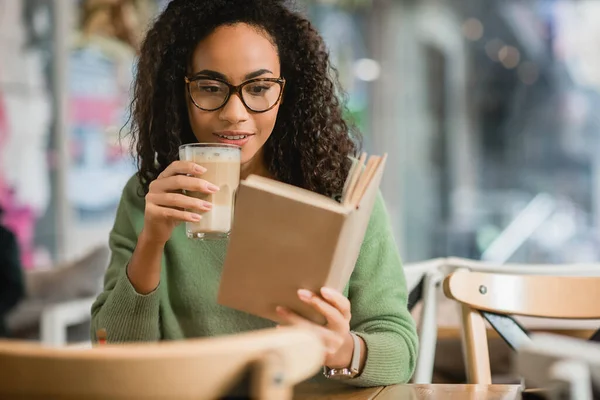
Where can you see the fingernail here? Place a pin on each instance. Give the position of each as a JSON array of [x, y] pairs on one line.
[[207, 205], [327, 292], [212, 188], [196, 217], [305, 294], [199, 168]]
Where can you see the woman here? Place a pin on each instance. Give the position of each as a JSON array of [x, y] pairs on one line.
[[162, 286]]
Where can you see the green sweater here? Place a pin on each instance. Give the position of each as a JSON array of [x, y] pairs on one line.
[[184, 304]]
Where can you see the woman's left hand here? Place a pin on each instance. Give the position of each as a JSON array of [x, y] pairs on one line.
[[335, 307]]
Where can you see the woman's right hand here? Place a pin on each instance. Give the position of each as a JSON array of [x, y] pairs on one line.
[[166, 205]]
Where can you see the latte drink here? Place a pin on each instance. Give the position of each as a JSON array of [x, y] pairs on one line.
[[222, 163]]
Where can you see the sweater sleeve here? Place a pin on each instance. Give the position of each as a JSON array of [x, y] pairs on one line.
[[378, 295], [125, 314]]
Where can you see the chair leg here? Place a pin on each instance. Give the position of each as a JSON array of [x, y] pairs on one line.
[[575, 376], [269, 380], [53, 330], [475, 347], [428, 329]]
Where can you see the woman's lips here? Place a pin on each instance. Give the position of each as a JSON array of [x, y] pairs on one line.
[[235, 138]]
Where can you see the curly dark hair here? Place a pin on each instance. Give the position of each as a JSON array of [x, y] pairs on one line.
[[310, 143]]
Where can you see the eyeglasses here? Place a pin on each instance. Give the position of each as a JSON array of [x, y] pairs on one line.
[[258, 95]]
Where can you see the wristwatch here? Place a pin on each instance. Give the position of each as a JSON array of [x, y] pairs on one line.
[[353, 370]]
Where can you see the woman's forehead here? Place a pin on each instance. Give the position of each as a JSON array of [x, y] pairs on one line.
[[236, 51]]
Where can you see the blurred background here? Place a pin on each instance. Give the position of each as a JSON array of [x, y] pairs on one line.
[[486, 109]]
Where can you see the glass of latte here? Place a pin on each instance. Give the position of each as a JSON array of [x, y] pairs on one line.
[[222, 163]]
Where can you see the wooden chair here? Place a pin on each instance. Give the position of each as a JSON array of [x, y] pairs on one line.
[[563, 366], [274, 360], [564, 297], [425, 278], [422, 281]]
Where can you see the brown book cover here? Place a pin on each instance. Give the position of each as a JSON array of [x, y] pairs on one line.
[[285, 238]]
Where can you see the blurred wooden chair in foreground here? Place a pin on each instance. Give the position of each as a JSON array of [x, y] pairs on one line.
[[274, 360]]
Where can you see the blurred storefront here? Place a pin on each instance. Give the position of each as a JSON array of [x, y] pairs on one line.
[[26, 115], [66, 69]]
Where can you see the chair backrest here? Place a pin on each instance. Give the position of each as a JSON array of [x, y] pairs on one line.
[[579, 269], [208, 368], [567, 297], [424, 278], [414, 272]]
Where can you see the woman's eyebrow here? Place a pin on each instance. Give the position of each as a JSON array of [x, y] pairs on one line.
[[211, 74], [217, 75], [258, 73]]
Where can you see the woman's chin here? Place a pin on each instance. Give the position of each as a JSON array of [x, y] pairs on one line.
[[248, 156]]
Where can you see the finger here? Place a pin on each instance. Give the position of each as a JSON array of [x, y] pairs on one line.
[[291, 318], [335, 319], [182, 168], [180, 201], [183, 182], [338, 300], [331, 339], [172, 214]]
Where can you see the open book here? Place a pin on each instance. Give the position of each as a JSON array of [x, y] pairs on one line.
[[285, 238]]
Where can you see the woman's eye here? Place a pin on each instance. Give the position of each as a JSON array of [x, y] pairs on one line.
[[209, 89], [257, 90]]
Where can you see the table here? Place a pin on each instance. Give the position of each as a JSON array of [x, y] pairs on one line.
[[451, 392], [334, 391], [337, 391]]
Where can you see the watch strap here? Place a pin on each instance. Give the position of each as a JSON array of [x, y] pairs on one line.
[[353, 370], [355, 364]]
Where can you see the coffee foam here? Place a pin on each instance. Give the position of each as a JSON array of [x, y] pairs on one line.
[[198, 154]]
